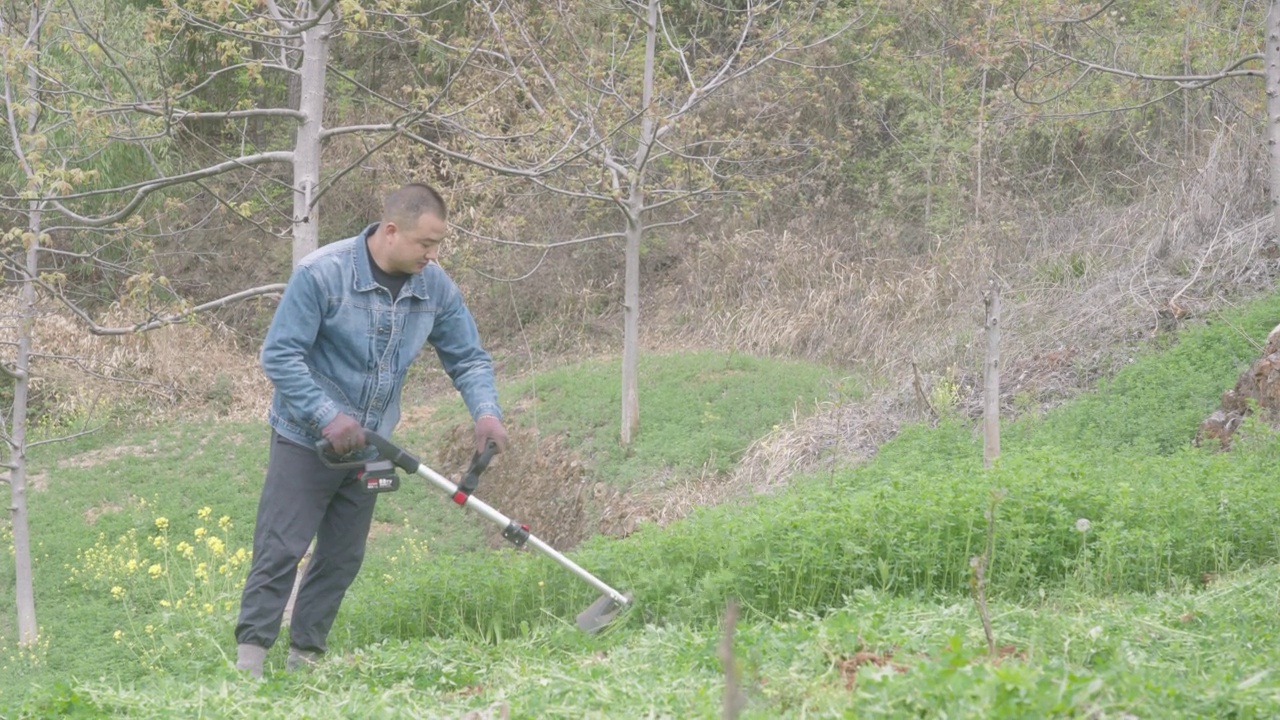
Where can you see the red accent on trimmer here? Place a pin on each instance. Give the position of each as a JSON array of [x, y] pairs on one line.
[[460, 498]]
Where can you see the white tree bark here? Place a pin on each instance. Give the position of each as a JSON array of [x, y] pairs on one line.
[[25, 586], [1272, 59], [991, 375], [306, 151], [635, 233]]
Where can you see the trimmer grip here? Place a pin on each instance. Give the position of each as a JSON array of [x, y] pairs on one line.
[[388, 450], [324, 449]]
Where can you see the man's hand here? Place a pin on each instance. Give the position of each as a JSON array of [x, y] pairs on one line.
[[344, 434], [489, 428]]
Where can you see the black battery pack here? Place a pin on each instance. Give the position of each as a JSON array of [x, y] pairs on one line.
[[378, 477]]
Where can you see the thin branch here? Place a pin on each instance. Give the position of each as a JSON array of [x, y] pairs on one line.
[[1017, 86], [176, 115], [230, 68], [575, 241], [97, 329], [679, 196], [146, 188], [1085, 19], [288, 27], [539, 246], [596, 197], [526, 276], [12, 372], [1103, 111], [1186, 82], [64, 438], [506, 55], [178, 317], [84, 368], [330, 182]]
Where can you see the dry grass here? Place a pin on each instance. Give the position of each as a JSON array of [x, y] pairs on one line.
[[1082, 291], [78, 377]]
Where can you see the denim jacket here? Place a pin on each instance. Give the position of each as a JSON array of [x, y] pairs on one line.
[[340, 343]]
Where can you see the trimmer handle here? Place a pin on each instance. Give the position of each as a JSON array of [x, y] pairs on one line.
[[479, 462], [387, 450]]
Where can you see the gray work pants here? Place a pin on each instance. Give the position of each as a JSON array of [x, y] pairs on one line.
[[302, 499]]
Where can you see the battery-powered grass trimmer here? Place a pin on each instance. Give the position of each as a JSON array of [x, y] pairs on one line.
[[378, 475]]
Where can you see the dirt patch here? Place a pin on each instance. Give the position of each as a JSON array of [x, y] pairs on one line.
[[94, 458], [92, 514], [379, 529], [1258, 386], [36, 482], [540, 483], [547, 486], [849, 666]]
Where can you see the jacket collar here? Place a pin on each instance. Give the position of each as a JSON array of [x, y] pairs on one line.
[[364, 282]]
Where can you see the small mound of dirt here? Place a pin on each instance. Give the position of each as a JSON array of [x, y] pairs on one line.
[[542, 484], [1259, 384]]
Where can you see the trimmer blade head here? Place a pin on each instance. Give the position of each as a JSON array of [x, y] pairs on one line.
[[601, 613]]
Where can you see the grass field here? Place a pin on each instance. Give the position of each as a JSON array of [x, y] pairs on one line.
[[1133, 575]]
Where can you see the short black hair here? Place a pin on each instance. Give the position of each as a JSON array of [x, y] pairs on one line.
[[410, 202]]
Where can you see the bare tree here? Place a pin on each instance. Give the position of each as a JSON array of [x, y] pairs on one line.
[[1052, 58], [597, 101]]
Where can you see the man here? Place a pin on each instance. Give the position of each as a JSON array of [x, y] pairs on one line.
[[353, 317]]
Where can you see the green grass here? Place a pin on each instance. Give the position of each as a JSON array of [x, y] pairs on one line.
[[101, 493], [1209, 653], [696, 409], [1112, 620]]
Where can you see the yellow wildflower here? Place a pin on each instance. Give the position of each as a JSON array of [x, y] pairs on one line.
[[162, 523], [204, 512], [216, 546], [117, 592], [131, 566], [118, 635], [164, 603], [156, 570], [160, 541], [200, 532], [224, 522], [150, 629], [202, 571], [208, 608]]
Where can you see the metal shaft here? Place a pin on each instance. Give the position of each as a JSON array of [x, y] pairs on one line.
[[503, 521]]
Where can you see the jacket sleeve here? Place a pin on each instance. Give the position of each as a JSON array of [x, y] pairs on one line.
[[456, 340], [292, 333]]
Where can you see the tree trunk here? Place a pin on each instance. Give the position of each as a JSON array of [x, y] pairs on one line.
[[1272, 55], [991, 374], [306, 159], [635, 233], [631, 331], [25, 586]]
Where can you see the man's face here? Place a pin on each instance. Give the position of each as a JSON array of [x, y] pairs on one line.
[[413, 247]]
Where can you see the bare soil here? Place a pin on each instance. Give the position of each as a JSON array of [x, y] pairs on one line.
[[1258, 387]]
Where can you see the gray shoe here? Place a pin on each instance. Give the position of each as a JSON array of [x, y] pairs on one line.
[[300, 659], [250, 658]]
